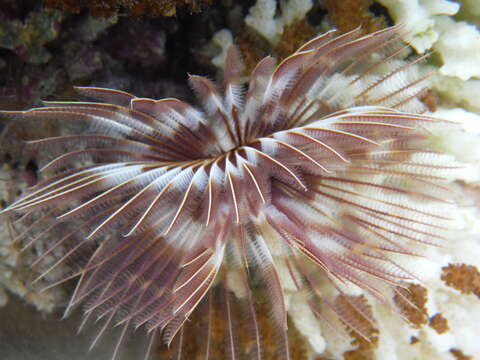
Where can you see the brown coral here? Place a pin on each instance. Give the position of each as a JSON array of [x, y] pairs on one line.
[[412, 303], [465, 278], [254, 48], [349, 14], [459, 355], [293, 36], [364, 348], [439, 323]]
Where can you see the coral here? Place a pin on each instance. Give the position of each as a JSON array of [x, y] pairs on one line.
[[16, 271], [459, 48], [465, 278], [348, 14], [458, 93], [107, 8], [92, 50], [224, 40], [439, 323], [419, 19], [264, 20], [28, 38], [261, 18], [412, 303], [268, 31], [26, 79], [194, 345], [293, 36], [306, 322], [459, 355], [450, 29], [364, 346]]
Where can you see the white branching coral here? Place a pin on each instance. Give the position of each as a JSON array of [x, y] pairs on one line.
[[263, 17], [419, 18], [458, 92], [459, 48], [224, 40], [431, 26]]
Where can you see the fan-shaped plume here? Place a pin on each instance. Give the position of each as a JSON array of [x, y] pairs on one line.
[[165, 211]]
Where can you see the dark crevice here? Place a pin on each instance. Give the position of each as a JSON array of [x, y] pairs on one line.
[[379, 10]]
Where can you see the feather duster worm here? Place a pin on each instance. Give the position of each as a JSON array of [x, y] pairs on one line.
[[317, 170]]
